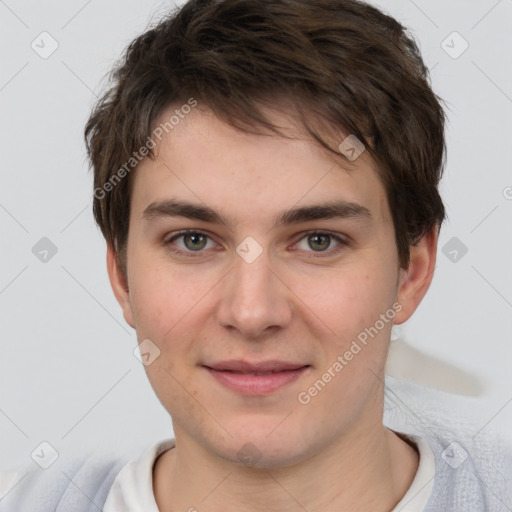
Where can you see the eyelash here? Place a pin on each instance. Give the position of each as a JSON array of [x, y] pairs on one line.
[[314, 254]]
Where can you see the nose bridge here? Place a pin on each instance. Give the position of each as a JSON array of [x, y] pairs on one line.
[[253, 298]]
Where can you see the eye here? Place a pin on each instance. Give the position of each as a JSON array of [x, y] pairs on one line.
[[193, 243], [190, 242], [321, 242]]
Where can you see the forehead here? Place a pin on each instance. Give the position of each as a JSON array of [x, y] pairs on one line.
[[245, 175]]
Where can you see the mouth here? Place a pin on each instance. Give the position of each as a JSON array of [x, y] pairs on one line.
[[256, 373], [256, 379], [243, 366]]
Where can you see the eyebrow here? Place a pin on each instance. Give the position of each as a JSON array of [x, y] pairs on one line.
[[322, 211]]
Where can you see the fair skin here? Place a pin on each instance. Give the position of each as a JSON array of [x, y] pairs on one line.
[[295, 302]]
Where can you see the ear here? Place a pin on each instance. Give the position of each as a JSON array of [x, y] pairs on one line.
[[415, 280], [119, 285]]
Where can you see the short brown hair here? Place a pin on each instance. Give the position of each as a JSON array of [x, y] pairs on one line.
[[342, 63]]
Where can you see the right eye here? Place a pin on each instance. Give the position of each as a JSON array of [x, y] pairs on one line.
[[191, 242]]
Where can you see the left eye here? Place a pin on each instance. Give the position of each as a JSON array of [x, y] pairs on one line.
[[319, 242]]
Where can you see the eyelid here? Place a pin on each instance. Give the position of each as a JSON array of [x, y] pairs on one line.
[[176, 234]]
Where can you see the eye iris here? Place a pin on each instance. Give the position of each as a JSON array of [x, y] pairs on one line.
[[195, 238], [318, 239]]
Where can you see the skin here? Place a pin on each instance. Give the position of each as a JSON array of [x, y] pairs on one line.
[[299, 301]]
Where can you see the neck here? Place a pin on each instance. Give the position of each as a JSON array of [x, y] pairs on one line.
[[366, 470]]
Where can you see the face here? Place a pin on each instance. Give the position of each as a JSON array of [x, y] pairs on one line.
[[254, 248]]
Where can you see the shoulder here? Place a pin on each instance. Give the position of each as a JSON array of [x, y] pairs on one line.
[[473, 465], [80, 483]]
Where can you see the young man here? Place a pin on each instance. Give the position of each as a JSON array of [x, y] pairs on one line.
[[266, 178]]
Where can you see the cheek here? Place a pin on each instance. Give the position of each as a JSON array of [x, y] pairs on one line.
[[350, 299], [151, 309], [161, 298], [170, 309]]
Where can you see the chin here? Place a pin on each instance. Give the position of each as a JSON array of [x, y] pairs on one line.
[[265, 448]]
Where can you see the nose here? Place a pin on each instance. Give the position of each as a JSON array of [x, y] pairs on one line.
[[255, 300]]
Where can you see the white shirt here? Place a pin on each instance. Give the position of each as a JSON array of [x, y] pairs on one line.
[[132, 490]]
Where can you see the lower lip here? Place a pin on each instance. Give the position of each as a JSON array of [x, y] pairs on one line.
[[253, 385]]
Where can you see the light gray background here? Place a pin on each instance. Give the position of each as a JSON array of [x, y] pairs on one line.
[[67, 370]]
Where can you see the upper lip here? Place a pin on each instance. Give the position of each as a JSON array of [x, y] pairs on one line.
[[262, 366]]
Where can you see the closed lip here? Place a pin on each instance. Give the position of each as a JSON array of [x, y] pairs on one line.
[[242, 366]]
